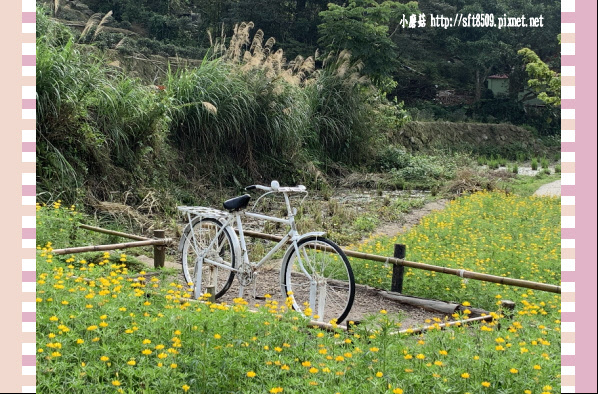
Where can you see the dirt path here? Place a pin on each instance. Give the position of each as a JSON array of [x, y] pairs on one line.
[[410, 219], [550, 189]]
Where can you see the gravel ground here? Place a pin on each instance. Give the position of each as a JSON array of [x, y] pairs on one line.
[[550, 189]]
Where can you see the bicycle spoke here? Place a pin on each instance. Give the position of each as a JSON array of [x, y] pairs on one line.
[[327, 300], [206, 254]]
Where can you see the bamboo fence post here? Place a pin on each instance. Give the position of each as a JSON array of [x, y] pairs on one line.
[[508, 307], [398, 270], [159, 250]]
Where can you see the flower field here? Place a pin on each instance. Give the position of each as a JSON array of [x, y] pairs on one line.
[[102, 326], [511, 236]]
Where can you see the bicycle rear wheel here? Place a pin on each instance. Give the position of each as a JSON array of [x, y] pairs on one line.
[[319, 280], [199, 251]]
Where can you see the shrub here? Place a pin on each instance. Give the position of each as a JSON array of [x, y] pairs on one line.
[[534, 164], [544, 162], [91, 119]]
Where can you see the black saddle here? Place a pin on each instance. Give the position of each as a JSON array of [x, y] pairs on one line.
[[237, 203]]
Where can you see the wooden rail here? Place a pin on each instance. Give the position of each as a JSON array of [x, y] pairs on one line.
[[112, 232], [428, 267], [159, 243], [96, 248]]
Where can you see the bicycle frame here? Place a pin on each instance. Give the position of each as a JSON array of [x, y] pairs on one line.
[[235, 217]]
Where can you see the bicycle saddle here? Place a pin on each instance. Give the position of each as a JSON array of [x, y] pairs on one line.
[[237, 203]]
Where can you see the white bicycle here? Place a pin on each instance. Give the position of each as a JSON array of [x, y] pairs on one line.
[[315, 273]]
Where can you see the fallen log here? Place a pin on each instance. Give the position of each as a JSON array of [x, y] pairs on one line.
[[448, 308]]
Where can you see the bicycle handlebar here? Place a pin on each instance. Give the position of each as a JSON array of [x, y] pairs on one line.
[[274, 187]]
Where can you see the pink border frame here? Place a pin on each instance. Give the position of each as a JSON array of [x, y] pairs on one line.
[[578, 190]]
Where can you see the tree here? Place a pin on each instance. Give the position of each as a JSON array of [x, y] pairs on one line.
[[543, 81], [362, 28]]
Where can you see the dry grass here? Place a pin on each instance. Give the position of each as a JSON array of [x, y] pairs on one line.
[[101, 24], [257, 52]]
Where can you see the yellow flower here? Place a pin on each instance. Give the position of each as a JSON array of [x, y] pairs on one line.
[[379, 374], [420, 356], [486, 384], [251, 374], [465, 375], [383, 311], [513, 370], [443, 352], [104, 358], [91, 328], [162, 355], [306, 364], [147, 352], [115, 383], [186, 388], [313, 370], [173, 365], [146, 341], [397, 391], [80, 341], [217, 336], [374, 349], [537, 366], [276, 390], [131, 362]]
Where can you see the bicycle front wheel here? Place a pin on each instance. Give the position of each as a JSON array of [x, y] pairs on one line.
[[200, 253], [319, 280]]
